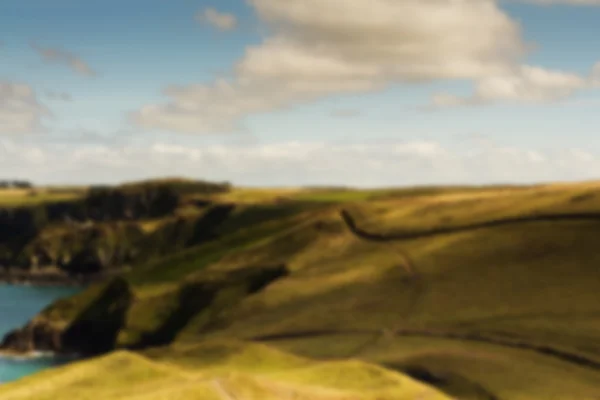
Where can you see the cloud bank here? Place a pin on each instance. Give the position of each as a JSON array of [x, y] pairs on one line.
[[525, 84], [347, 47], [20, 109], [367, 164]]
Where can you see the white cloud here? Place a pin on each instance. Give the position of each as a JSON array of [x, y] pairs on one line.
[[345, 47], [20, 110], [294, 163], [221, 21], [532, 84], [526, 84], [61, 56]]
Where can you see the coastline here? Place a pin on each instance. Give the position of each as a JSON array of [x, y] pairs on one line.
[[33, 355], [51, 277], [38, 355], [20, 334], [20, 343]]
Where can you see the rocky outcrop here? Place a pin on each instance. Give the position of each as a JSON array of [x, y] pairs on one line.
[[52, 277], [96, 327], [103, 204], [92, 331], [102, 232], [37, 336]]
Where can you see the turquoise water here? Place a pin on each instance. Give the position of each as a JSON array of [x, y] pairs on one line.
[[17, 305]]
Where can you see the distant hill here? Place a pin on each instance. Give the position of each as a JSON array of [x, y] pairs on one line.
[[16, 184], [68, 234]]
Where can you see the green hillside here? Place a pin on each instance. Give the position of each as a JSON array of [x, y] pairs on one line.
[[486, 293], [69, 234], [218, 371]]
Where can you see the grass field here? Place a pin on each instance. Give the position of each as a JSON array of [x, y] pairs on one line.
[[465, 293], [24, 197], [219, 371]]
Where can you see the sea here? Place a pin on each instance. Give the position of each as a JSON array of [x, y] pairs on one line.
[[18, 304]]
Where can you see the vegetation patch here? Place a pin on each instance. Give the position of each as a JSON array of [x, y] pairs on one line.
[[342, 294]]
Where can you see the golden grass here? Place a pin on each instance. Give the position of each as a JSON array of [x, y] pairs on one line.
[[21, 197], [512, 311], [241, 372]]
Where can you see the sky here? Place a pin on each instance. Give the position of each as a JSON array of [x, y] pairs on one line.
[[359, 93]]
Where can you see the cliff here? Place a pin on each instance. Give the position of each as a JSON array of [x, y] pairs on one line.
[[106, 229], [484, 293]]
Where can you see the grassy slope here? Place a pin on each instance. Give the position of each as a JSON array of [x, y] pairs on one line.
[[21, 197], [219, 371], [58, 241], [506, 311]]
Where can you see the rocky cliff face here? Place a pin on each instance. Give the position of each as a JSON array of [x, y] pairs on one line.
[[100, 325], [36, 336], [104, 230], [81, 335]]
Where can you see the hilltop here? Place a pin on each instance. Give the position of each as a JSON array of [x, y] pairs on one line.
[[85, 233], [439, 292]]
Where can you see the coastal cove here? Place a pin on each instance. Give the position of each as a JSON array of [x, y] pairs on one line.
[[18, 304]]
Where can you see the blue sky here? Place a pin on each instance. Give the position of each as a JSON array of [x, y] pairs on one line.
[[264, 92]]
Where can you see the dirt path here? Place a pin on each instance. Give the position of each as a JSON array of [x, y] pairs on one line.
[[221, 390]]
